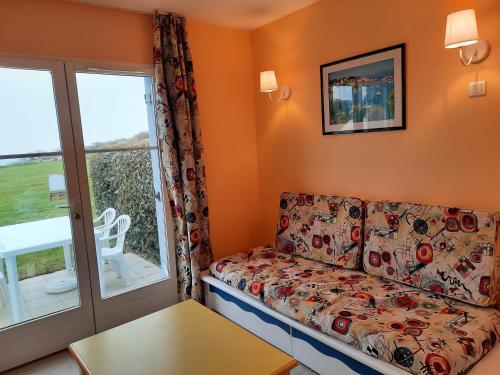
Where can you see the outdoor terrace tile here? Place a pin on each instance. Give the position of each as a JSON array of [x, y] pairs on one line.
[[37, 302]]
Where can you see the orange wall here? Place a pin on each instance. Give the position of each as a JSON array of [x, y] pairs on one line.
[[223, 68], [61, 29], [222, 58], [449, 153]]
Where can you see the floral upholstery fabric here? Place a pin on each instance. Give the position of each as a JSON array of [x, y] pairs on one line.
[[445, 250], [320, 227], [420, 332]]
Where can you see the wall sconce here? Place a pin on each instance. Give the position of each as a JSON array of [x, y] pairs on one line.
[[269, 84], [461, 32]]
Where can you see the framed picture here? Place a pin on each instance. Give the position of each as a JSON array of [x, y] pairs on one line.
[[364, 93]]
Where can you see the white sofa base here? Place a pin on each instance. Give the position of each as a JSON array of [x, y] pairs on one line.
[[322, 353]]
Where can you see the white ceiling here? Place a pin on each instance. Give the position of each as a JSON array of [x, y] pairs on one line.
[[243, 14]]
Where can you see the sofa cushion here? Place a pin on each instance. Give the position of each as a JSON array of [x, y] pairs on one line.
[[448, 251], [321, 227], [420, 332]]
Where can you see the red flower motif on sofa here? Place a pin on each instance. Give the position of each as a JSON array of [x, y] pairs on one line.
[[405, 302], [392, 220], [396, 326], [326, 239], [220, 266], [309, 200], [362, 295], [374, 259], [436, 287], [424, 253], [451, 224], [333, 208], [317, 241], [452, 212], [256, 288], [386, 257], [284, 222], [284, 291], [468, 222], [417, 323], [355, 234], [270, 255], [288, 247], [438, 364], [315, 298], [341, 325], [484, 285]]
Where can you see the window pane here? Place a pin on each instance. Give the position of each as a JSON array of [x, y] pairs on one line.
[[37, 275], [27, 107], [113, 110], [125, 187]]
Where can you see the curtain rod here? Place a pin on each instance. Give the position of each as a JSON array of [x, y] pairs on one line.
[[115, 7]]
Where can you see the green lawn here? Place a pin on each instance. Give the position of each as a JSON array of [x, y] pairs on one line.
[[24, 196], [24, 192]]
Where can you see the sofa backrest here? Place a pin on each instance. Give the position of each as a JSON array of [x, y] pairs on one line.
[[448, 251], [321, 227]]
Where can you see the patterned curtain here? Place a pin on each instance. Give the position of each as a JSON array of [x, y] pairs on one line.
[[181, 151]]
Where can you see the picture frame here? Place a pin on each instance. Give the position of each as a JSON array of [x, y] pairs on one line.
[[365, 93]]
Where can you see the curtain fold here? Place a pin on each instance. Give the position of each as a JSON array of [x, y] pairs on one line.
[[181, 151]]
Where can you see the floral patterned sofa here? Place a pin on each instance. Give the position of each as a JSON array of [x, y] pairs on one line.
[[423, 303]]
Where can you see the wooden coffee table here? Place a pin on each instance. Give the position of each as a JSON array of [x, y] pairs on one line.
[[184, 339]]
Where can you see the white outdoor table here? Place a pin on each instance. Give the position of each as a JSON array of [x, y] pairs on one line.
[[31, 237]]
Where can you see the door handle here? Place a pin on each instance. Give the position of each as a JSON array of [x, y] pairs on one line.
[[75, 214]]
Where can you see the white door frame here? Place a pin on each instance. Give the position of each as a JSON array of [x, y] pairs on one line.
[[158, 186], [27, 341], [34, 339], [116, 310]]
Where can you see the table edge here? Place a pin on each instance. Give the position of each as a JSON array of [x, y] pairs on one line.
[[83, 366], [285, 369]]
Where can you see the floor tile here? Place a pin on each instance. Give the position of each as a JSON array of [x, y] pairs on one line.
[[63, 364], [57, 364], [302, 370]]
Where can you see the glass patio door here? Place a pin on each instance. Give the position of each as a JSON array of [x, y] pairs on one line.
[[119, 172], [84, 233], [45, 295]]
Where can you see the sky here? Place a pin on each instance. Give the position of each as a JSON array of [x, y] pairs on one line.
[[373, 70], [111, 107]]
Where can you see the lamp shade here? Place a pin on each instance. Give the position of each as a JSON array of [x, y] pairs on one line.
[[268, 81], [461, 29]]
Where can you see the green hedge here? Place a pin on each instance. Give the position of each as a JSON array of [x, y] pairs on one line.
[[124, 180]]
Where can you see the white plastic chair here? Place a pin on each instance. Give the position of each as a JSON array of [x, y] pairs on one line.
[[115, 254], [4, 289], [106, 218]]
